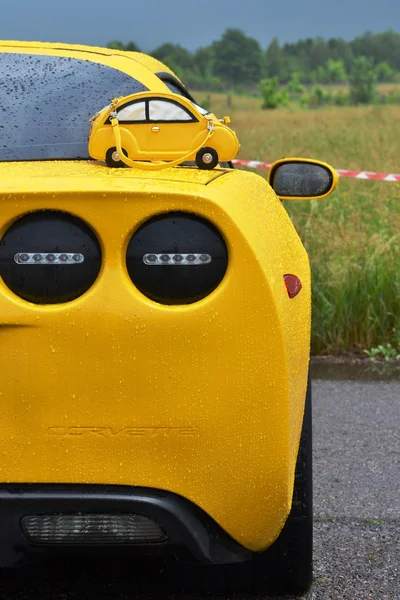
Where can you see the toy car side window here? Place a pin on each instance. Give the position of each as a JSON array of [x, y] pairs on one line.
[[160, 110], [202, 111], [133, 112]]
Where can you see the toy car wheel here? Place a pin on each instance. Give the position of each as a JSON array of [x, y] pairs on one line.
[[113, 159], [207, 158]]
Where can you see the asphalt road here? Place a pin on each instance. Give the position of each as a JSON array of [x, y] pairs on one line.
[[357, 511]]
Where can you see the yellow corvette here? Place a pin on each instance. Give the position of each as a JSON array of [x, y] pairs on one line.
[[155, 333]]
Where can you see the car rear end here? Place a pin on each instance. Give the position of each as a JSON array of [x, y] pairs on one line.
[[139, 410]]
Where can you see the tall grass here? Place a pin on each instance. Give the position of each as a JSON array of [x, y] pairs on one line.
[[352, 237], [355, 261]]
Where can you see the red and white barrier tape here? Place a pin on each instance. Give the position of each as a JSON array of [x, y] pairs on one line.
[[255, 164]]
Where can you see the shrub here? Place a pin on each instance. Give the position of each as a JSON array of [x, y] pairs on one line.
[[273, 97], [341, 99], [318, 97], [363, 85], [295, 88]]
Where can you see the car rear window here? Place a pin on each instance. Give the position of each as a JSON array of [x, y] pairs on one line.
[[46, 103], [173, 87]]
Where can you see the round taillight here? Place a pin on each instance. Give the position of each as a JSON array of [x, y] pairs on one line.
[[49, 257], [177, 258]]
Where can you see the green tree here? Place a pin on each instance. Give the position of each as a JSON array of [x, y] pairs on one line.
[[341, 98], [292, 68], [335, 71], [115, 45], [175, 57], [295, 87], [202, 75], [319, 53], [296, 59], [274, 60], [384, 72], [339, 49], [204, 60], [363, 88], [237, 58], [130, 46], [273, 97], [320, 75], [318, 97], [379, 47], [312, 53]]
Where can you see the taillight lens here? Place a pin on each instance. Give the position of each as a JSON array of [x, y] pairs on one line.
[[177, 258], [293, 285], [49, 257]]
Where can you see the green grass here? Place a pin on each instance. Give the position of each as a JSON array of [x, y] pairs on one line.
[[352, 237], [354, 253]]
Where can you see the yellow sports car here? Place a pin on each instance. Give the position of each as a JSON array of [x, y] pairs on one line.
[[155, 333]]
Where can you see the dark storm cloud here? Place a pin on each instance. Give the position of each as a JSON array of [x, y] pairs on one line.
[[189, 22]]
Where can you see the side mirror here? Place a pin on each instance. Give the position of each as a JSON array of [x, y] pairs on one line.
[[302, 179]]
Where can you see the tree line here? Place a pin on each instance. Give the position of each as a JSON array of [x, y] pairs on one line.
[[238, 61]]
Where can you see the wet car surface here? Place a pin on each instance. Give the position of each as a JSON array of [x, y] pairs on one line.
[[114, 442], [357, 508]]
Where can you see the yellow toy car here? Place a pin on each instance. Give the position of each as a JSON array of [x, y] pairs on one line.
[[154, 127], [155, 332]]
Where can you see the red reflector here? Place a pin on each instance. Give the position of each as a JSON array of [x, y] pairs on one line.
[[293, 285]]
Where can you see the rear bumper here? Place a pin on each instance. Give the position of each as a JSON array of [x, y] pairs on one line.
[[189, 531]]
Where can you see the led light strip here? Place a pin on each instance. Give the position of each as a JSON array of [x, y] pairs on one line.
[[48, 258], [176, 259]]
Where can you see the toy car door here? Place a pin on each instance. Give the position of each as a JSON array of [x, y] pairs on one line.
[[133, 117], [173, 130]]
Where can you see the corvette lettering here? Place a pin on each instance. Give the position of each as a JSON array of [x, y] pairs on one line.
[[123, 431]]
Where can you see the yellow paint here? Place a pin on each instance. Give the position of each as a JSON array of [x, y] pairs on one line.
[[151, 63], [205, 400], [161, 140], [219, 369]]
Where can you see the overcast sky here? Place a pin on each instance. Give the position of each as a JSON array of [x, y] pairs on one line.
[[191, 23]]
